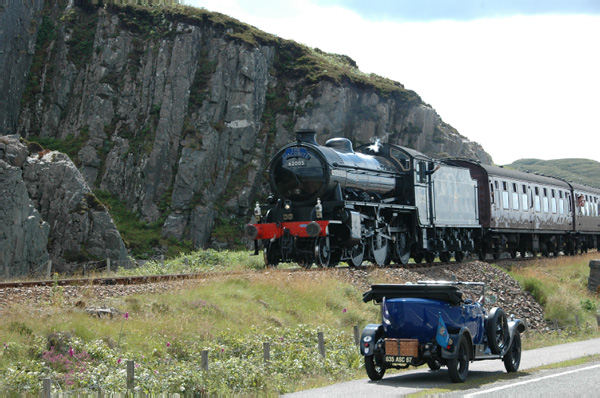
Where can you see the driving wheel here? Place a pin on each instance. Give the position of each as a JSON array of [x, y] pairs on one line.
[[379, 247], [322, 251]]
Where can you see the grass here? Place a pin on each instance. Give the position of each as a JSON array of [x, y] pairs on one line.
[[560, 286], [231, 317]]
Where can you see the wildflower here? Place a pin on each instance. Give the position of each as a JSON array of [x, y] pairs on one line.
[[281, 338], [71, 352], [344, 310], [168, 344], [5, 345], [126, 315], [222, 350], [119, 360]]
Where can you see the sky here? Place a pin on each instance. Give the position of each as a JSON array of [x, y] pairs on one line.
[[520, 77]]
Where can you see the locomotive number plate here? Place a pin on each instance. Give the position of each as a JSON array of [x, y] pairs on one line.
[[296, 163], [399, 360]]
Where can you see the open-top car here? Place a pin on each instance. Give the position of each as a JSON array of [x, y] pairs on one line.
[[438, 324]]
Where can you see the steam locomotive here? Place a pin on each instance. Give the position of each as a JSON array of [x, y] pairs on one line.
[[385, 203]]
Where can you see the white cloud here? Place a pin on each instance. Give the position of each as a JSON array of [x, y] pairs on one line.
[[522, 86]]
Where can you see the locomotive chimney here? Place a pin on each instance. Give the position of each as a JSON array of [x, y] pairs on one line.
[[308, 136]]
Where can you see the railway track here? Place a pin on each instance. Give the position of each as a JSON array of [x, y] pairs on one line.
[[145, 279]]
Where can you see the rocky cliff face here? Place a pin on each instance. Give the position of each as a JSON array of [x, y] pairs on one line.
[[48, 212], [175, 113]]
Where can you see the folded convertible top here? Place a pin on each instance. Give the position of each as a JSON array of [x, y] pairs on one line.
[[449, 293]]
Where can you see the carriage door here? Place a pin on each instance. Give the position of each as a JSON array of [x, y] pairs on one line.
[[422, 192]]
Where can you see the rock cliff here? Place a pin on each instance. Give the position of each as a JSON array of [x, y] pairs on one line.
[[47, 211], [174, 112]]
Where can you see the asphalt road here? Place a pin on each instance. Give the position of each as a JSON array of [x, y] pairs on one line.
[[413, 381]]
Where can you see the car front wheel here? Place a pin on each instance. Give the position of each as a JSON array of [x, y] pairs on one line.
[[512, 359], [374, 371], [458, 367]]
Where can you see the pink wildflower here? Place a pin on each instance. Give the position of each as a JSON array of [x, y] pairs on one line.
[[126, 315], [119, 360], [5, 345], [71, 352], [344, 310], [168, 344], [281, 338], [222, 349]]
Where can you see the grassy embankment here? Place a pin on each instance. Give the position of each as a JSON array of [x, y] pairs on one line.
[[231, 317]]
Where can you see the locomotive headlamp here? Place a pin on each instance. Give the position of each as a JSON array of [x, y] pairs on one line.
[[319, 209], [287, 214], [257, 211]]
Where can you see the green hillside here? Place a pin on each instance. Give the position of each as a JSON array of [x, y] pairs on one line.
[[582, 171]]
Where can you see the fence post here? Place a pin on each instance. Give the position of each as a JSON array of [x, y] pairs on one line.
[[162, 260], [47, 388], [108, 265], [49, 270], [321, 344], [356, 335], [185, 261], [577, 322], [555, 324], [130, 375], [204, 360], [267, 352]]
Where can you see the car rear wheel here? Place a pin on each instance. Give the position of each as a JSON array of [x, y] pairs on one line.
[[374, 371], [497, 330], [458, 367], [512, 359]]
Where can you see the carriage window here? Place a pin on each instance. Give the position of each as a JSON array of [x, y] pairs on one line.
[[561, 205], [553, 203], [492, 193], [515, 200], [505, 203], [524, 198], [545, 201], [568, 196], [536, 200]]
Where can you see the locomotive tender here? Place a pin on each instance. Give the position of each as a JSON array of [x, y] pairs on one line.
[[384, 203]]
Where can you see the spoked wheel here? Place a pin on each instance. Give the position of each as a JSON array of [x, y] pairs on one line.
[[459, 256], [497, 330], [481, 254], [374, 371], [357, 255], [402, 248], [429, 257], [379, 247], [418, 257], [445, 257], [458, 367], [322, 251], [512, 359], [513, 253], [271, 253]]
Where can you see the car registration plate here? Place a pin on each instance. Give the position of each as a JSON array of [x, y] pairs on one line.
[[398, 360]]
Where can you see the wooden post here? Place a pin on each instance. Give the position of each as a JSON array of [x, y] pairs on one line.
[[267, 352], [356, 335], [108, 265], [321, 344], [555, 324], [577, 322], [204, 360], [185, 261], [49, 270], [46, 388], [162, 260], [130, 375]]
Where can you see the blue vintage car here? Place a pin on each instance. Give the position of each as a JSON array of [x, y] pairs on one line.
[[438, 324]]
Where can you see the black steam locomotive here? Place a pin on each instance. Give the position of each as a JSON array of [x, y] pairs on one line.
[[384, 203]]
